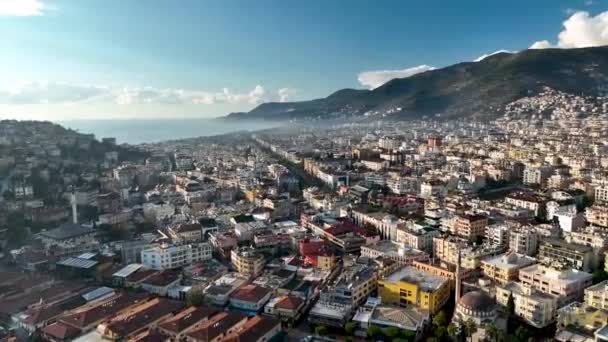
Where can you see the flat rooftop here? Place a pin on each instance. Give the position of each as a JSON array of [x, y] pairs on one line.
[[510, 260], [412, 275]]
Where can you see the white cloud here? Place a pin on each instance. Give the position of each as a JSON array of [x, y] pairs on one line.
[[374, 79], [482, 57], [63, 93], [51, 93], [543, 44], [285, 94], [580, 30], [21, 8]]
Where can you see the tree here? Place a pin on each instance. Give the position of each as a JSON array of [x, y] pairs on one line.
[[600, 276], [16, 232], [439, 320], [114, 232], [407, 335], [350, 327], [476, 239], [194, 298], [492, 332], [321, 330], [453, 331], [392, 332], [522, 334], [374, 332], [511, 306], [470, 328]]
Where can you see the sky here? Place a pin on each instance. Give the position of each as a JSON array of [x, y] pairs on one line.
[[135, 59]]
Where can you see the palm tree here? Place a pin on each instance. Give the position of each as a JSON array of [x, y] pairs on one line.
[[492, 332], [470, 328], [454, 331]]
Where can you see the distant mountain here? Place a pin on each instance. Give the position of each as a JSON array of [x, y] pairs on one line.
[[472, 89]]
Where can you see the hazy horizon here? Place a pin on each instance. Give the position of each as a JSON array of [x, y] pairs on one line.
[[131, 59]]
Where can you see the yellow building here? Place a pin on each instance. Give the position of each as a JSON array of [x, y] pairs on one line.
[[252, 194], [326, 262], [409, 285], [247, 261]]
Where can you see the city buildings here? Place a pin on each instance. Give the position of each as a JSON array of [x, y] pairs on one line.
[[408, 285], [170, 256], [247, 261]]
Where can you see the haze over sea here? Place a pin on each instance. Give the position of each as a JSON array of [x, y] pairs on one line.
[[151, 131]]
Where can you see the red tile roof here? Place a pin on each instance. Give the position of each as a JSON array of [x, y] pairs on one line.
[[216, 326], [292, 303], [60, 331], [185, 319], [250, 293], [254, 329]]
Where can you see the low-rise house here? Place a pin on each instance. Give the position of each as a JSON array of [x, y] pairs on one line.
[[286, 307], [87, 317], [138, 318], [257, 329], [160, 283], [219, 291], [59, 332], [178, 326], [70, 238], [409, 318], [186, 232], [217, 327], [250, 298]]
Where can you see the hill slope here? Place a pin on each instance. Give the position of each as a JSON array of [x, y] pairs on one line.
[[471, 89]]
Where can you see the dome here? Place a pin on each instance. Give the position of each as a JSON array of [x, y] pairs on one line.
[[477, 301]]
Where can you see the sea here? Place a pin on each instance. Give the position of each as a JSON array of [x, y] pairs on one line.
[[151, 131]]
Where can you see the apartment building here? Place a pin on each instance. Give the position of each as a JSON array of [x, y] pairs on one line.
[[169, 256], [247, 261], [535, 307], [597, 295], [597, 215], [505, 268], [398, 252], [410, 286], [523, 240], [353, 286], [467, 225], [529, 201], [567, 285], [559, 253]]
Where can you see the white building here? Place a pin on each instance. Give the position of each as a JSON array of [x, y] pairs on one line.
[[167, 256], [535, 307]]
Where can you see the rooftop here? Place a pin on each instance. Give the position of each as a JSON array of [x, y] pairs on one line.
[[66, 231], [412, 275], [250, 293], [510, 260], [186, 318]]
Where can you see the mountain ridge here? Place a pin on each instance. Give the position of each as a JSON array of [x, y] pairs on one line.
[[468, 89]]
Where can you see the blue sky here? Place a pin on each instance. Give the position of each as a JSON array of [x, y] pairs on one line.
[[89, 59]]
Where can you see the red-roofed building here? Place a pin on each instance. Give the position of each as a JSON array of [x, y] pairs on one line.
[[218, 326], [257, 329], [178, 326], [59, 332], [286, 307], [250, 298]]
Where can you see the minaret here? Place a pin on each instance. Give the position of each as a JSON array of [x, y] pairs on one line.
[[74, 208], [458, 280]]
